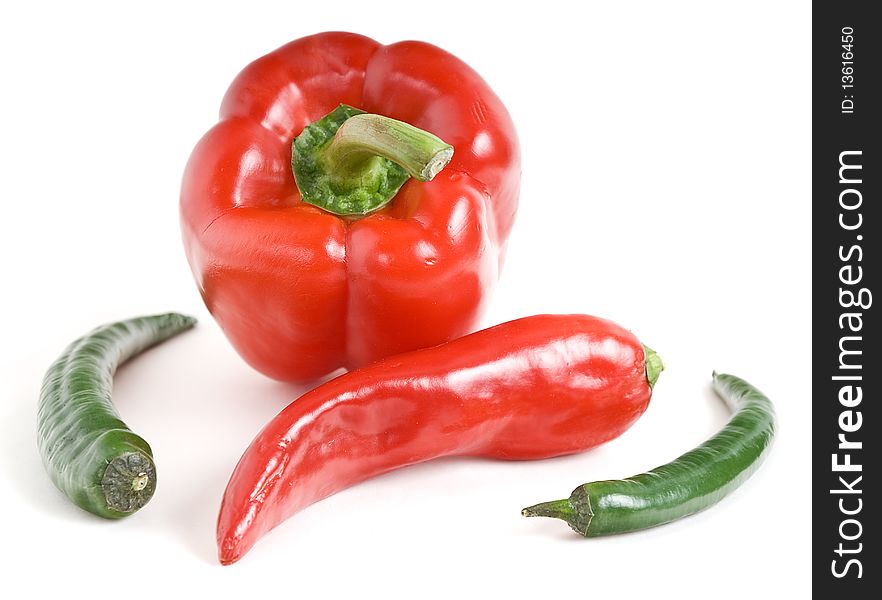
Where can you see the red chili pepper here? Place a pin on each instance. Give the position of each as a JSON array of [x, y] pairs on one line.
[[533, 388], [300, 291]]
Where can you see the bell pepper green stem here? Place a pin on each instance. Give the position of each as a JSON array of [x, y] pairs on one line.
[[353, 163], [362, 137]]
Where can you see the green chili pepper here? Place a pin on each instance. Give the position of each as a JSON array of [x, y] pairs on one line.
[[90, 454], [693, 482]]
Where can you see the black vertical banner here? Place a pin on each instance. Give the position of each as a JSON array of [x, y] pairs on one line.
[[846, 228]]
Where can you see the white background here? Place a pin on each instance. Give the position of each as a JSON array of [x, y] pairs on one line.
[[665, 185]]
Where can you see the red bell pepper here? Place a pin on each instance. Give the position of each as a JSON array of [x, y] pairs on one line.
[[301, 291], [536, 387]]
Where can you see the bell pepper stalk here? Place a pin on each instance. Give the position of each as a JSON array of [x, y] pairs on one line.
[[321, 224], [352, 163]]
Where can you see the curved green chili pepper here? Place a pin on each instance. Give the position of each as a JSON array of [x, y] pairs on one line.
[[89, 453], [693, 482]]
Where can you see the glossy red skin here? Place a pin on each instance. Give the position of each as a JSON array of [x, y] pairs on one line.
[[300, 292], [536, 387]]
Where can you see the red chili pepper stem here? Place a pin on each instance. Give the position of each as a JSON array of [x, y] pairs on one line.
[[353, 163], [654, 366]]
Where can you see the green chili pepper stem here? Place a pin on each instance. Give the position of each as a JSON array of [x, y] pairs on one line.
[[363, 137], [556, 509], [694, 481], [353, 163]]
